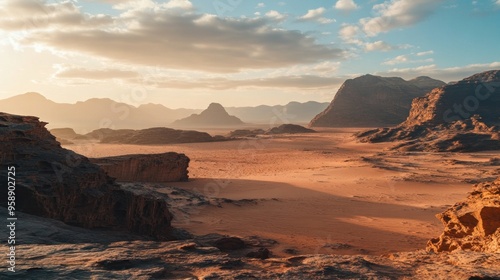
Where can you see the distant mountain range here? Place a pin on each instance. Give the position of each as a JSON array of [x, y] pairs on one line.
[[371, 101], [105, 113]]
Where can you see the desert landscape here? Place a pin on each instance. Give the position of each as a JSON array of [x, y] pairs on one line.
[[187, 139]]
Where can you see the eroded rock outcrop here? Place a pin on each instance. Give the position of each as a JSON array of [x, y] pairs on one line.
[[289, 129], [57, 183], [166, 167], [150, 136], [473, 224], [460, 117], [372, 101]]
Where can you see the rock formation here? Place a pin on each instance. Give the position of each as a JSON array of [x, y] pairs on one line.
[[473, 224], [214, 116], [289, 129], [57, 183], [369, 101], [459, 117], [150, 136], [166, 167]]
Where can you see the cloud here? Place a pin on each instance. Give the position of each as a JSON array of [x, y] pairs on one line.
[[197, 43], [291, 81], [182, 4], [317, 16], [275, 15], [497, 2], [346, 5], [445, 74], [378, 46], [426, 53], [405, 59], [395, 14], [95, 74], [261, 5], [26, 15], [349, 33], [397, 60], [313, 14]]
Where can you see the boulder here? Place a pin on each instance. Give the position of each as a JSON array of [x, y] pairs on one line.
[[166, 167], [473, 224], [57, 183]]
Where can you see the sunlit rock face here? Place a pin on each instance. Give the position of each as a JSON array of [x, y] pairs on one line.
[[459, 117], [473, 224]]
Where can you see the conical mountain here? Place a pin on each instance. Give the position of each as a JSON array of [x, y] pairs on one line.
[[369, 101], [215, 116]]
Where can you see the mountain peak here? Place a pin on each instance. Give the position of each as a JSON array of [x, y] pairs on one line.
[[215, 107], [214, 115]]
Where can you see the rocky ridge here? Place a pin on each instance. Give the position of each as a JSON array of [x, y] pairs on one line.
[[150, 136], [57, 183], [372, 101], [459, 117]]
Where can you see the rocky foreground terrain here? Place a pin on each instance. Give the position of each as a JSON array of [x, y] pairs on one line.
[[50, 249], [373, 101], [460, 117]]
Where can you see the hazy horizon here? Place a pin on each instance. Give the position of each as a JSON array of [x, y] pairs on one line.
[[187, 54]]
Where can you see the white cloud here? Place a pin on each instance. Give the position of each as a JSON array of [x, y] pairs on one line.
[[398, 13], [349, 33], [33, 15], [182, 4], [261, 5], [426, 53], [406, 59], [397, 60], [275, 15], [346, 5], [313, 14], [317, 16], [378, 46], [497, 2]]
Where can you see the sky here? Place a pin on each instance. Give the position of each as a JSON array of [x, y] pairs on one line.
[[189, 53]]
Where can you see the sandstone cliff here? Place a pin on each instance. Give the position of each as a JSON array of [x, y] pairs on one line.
[[166, 167], [473, 224], [369, 101], [463, 116], [215, 115], [57, 183]]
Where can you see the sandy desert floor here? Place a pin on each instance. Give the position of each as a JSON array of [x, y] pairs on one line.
[[321, 193]]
